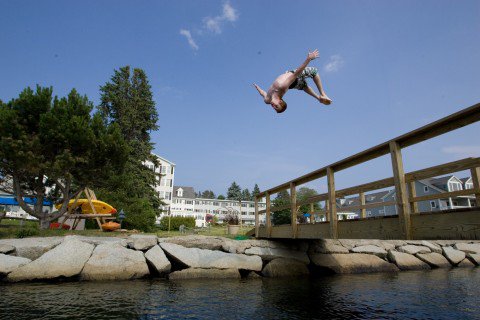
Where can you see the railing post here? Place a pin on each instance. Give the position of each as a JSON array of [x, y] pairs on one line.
[[476, 183], [363, 211], [312, 219], [267, 215], [332, 204], [293, 203], [257, 218], [327, 211], [403, 207], [412, 192]]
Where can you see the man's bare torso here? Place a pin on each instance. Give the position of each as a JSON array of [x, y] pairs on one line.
[[279, 87]]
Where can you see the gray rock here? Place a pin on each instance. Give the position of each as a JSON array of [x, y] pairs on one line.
[[434, 260], [282, 267], [466, 263], [200, 258], [352, 263], [253, 275], [239, 246], [10, 263], [6, 248], [328, 246], [102, 240], [445, 243], [197, 273], [274, 253], [157, 258], [115, 262], [405, 261], [385, 244], [468, 247], [141, 242], [65, 260], [475, 258], [411, 249], [371, 249], [433, 247], [32, 248], [454, 256], [197, 241]]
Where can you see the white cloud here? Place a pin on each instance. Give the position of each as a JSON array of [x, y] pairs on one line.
[[189, 37], [462, 151], [215, 24], [334, 63], [229, 13]]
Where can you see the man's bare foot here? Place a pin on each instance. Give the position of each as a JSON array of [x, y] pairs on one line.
[[325, 100]]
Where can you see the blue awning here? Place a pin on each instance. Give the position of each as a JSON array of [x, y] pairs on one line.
[[11, 201]]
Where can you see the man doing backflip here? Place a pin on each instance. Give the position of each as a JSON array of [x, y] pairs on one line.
[[294, 79]]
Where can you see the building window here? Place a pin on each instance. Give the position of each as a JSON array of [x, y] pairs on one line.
[[425, 189], [188, 202], [468, 185], [455, 186], [168, 195], [433, 204]]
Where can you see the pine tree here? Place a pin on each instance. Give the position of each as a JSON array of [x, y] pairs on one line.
[[234, 192], [256, 190], [246, 196], [127, 100]]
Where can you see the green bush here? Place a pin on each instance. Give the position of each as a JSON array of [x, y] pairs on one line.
[[176, 222], [26, 232]]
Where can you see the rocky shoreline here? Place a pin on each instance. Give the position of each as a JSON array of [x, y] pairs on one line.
[[189, 257]]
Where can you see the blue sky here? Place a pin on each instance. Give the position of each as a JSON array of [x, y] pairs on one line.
[[389, 67]]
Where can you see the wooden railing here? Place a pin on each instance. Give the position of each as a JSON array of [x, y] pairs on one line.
[[405, 198]]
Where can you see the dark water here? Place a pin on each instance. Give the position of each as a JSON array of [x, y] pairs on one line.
[[437, 294]]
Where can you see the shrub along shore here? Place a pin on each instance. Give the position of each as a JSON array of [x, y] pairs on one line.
[[194, 256]]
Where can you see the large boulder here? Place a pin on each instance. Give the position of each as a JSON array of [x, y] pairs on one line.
[[240, 246], [10, 263], [465, 263], [371, 249], [197, 273], [468, 247], [412, 249], [352, 263], [327, 246], [197, 241], [274, 253], [454, 256], [201, 258], [434, 260], [141, 242], [385, 244], [65, 260], [101, 240], [32, 248], [115, 262], [433, 247], [475, 258], [405, 261], [6, 248], [158, 260], [283, 267]]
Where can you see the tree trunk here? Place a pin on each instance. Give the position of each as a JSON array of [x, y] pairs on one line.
[[44, 223]]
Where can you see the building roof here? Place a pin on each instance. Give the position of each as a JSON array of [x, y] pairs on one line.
[[465, 180], [369, 198], [188, 192], [163, 159], [440, 182]]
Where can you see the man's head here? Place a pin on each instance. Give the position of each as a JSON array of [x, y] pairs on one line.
[[279, 105]]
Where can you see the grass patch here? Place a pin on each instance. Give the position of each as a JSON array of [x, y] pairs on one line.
[[11, 228]]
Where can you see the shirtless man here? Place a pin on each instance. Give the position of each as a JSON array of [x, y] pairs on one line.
[[294, 79]]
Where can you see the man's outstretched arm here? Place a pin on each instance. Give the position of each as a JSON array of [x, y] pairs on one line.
[[310, 56], [262, 93]]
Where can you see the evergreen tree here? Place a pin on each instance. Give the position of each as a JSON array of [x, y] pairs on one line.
[[256, 190], [208, 194], [55, 145], [246, 196], [221, 197], [127, 100], [234, 192], [282, 216]]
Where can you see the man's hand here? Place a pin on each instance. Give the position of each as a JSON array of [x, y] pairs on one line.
[[313, 55], [262, 93]]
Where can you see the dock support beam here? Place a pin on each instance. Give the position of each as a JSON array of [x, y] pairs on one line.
[[293, 202], [403, 207], [332, 204]]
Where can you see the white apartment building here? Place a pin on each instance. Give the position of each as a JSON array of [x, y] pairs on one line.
[[186, 204], [165, 179]]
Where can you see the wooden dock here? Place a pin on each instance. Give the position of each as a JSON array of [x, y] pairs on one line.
[[409, 223]]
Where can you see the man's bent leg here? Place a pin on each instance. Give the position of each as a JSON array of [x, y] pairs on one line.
[[323, 97]]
